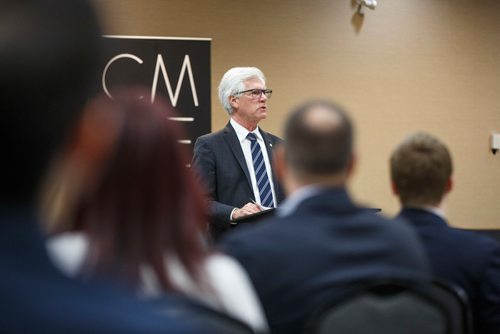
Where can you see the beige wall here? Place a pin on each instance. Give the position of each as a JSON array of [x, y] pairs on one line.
[[409, 65]]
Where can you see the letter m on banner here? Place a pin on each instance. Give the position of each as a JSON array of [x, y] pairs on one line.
[[173, 97]]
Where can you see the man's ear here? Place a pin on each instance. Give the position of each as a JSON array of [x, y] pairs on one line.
[[395, 190], [449, 185], [351, 165], [233, 101]]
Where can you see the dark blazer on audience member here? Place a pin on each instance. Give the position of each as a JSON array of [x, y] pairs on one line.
[[326, 244], [36, 298], [219, 160], [469, 260]]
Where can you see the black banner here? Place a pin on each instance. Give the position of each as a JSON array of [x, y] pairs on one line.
[[177, 69]]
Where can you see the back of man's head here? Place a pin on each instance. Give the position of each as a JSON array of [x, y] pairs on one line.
[[421, 168], [49, 54], [318, 140]]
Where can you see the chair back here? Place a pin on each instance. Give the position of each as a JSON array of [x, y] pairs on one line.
[[192, 311], [384, 306], [457, 304]]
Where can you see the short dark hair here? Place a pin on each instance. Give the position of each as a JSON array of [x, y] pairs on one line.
[[420, 169], [316, 151], [49, 55]]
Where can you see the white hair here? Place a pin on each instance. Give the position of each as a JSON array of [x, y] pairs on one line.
[[233, 82]]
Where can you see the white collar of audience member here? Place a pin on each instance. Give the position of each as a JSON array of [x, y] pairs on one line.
[[438, 211], [297, 197]]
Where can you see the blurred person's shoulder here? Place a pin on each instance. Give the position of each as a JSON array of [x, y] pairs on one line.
[[48, 302], [37, 297]]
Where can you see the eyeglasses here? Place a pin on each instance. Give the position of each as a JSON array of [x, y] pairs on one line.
[[257, 93]]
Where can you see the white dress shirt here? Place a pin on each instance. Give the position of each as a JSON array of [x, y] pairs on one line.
[[245, 143]]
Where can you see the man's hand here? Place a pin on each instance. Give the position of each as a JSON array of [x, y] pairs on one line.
[[246, 210]]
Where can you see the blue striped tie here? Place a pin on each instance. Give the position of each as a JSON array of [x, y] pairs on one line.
[[265, 193]]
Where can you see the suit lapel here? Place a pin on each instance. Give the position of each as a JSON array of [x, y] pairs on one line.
[[269, 144], [232, 141], [269, 149]]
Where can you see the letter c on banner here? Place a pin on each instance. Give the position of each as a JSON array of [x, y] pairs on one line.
[[123, 55]]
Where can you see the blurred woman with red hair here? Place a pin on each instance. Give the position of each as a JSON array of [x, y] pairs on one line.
[[124, 206]]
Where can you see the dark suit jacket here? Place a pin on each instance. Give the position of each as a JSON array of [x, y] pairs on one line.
[[219, 160], [36, 298], [469, 260], [325, 245]]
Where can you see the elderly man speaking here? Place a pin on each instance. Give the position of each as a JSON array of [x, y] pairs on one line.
[[236, 162]]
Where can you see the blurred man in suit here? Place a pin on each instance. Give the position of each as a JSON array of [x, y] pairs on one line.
[[49, 54], [236, 162], [421, 172], [320, 241]]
